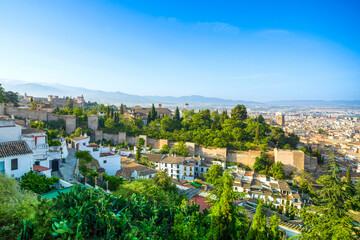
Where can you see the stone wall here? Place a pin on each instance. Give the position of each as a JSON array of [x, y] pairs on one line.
[[93, 122], [191, 147], [70, 121], [295, 159], [41, 115], [220, 153], [243, 157], [2, 109], [163, 142]]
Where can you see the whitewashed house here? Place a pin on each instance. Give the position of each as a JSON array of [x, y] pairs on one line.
[[16, 158], [106, 158]]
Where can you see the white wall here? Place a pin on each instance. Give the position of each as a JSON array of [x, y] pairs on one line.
[[10, 133], [112, 165], [25, 163]]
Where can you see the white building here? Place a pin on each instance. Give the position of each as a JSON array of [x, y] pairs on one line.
[[257, 186], [16, 158], [183, 168], [134, 171], [107, 159], [27, 147]]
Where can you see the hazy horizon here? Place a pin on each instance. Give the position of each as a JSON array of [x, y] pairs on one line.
[[224, 49]]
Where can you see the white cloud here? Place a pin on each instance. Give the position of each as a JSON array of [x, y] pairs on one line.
[[216, 27]]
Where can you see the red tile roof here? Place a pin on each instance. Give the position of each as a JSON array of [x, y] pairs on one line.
[[40, 168], [201, 201]]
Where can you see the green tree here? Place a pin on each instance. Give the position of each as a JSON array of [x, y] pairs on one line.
[[40, 184], [214, 174], [33, 105], [2, 95], [121, 109], [177, 114], [70, 103], [12, 97], [109, 123], [164, 181], [84, 155], [227, 222], [304, 179], [329, 219], [261, 162], [153, 113], [239, 112], [274, 228], [15, 205], [277, 170], [258, 226], [165, 149], [179, 149], [348, 175], [139, 148]]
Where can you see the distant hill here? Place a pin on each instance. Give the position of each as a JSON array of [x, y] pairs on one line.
[[195, 101], [44, 89]]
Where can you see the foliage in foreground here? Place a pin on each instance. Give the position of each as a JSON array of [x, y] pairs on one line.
[[37, 183]]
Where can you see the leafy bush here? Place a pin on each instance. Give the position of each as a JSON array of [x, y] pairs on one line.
[[37, 183]]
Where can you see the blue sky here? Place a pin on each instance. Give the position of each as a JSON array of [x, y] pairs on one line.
[[246, 50]]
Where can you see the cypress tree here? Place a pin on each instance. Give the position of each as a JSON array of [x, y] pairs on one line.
[[153, 113], [177, 114], [348, 175], [121, 109], [258, 225], [274, 228]]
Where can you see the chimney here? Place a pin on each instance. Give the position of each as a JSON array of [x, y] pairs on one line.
[[160, 105]]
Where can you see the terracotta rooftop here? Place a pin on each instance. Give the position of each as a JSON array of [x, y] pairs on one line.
[[201, 201], [106, 154], [154, 157], [14, 148], [172, 159], [94, 145], [40, 168], [79, 138]]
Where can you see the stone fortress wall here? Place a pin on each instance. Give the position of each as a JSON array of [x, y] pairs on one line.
[[41, 115]]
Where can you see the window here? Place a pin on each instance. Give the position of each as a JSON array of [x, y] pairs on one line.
[[171, 172], [177, 171], [2, 167], [104, 161], [165, 164], [190, 168], [196, 169], [202, 169], [185, 168], [14, 164], [190, 174], [184, 173], [171, 165], [178, 166], [235, 188], [37, 163]]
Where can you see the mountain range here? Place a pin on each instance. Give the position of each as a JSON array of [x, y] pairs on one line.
[[194, 101]]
